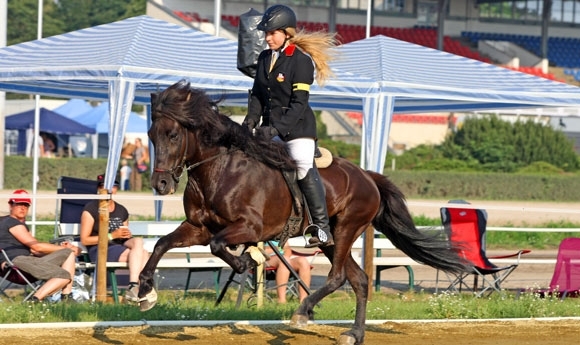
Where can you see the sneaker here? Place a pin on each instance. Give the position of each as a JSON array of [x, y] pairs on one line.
[[132, 293], [33, 300], [67, 298]]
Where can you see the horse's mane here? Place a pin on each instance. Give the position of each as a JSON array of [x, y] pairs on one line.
[[193, 109]]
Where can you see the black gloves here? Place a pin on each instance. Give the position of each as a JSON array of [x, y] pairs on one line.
[[249, 123], [267, 132]]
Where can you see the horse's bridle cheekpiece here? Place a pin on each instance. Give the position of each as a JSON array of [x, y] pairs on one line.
[[177, 171]]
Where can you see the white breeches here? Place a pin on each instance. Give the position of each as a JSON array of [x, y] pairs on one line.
[[302, 151]]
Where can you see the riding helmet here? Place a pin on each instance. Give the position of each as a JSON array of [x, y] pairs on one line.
[[277, 17]]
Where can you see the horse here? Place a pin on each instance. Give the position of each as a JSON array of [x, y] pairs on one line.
[[236, 195]]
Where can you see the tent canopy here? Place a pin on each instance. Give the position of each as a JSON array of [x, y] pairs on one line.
[[98, 118], [50, 122], [73, 108], [123, 62]]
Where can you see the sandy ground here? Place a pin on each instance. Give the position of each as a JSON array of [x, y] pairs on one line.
[[563, 332], [531, 332]]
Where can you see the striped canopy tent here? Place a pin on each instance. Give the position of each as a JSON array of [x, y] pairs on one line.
[[123, 62], [414, 79]]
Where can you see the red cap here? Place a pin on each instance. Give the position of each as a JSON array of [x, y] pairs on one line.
[[16, 200]]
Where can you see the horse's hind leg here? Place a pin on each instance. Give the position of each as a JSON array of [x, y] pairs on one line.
[[336, 278], [350, 270], [359, 283], [184, 236]]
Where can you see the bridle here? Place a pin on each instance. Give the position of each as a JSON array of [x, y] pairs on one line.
[[177, 171]]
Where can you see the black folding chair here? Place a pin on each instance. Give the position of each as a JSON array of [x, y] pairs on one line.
[[10, 274]]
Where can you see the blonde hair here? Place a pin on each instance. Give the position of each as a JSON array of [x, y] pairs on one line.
[[316, 44]]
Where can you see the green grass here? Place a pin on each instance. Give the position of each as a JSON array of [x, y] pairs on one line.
[[338, 306]]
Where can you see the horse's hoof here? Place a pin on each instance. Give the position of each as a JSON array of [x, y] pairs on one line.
[[346, 340], [299, 321], [148, 301]]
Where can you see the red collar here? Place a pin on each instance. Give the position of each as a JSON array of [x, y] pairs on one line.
[[289, 51]]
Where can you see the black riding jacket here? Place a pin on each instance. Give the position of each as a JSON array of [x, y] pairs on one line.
[[280, 97]]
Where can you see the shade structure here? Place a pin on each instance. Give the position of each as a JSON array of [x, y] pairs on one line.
[[73, 107], [98, 118], [50, 122], [125, 61]]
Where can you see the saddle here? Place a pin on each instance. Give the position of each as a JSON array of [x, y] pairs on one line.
[[322, 159]]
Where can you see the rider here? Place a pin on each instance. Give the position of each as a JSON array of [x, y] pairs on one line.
[[280, 97]]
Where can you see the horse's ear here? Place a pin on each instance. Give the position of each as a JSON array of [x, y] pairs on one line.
[[153, 97]]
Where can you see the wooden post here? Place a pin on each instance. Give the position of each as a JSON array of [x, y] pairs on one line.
[[259, 281], [369, 239], [102, 248]]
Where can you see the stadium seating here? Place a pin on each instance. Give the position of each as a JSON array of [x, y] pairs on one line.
[[562, 51]]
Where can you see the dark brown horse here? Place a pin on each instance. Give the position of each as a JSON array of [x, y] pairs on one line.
[[236, 194]]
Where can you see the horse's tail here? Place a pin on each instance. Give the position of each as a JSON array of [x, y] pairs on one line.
[[394, 220]]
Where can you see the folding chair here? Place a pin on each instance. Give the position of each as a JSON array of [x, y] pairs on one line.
[[566, 278], [465, 229], [68, 215], [11, 274], [270, 275], [248, 279], [71, 209]]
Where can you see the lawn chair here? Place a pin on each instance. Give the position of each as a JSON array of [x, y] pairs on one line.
[[270, 275], [248, 279], [465, 228], [10, 274], [68, 215], [566, 278]]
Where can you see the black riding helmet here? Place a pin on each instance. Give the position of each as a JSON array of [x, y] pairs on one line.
[[277, 17]]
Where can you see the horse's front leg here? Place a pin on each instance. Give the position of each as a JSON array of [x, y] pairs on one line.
[[236, 234], [184, 236]]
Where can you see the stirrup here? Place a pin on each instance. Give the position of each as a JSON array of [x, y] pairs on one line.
[[320, 239]]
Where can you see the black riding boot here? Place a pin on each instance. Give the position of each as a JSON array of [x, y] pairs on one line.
[[313, 190]]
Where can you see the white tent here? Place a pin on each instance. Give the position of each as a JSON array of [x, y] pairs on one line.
[[123, 62]]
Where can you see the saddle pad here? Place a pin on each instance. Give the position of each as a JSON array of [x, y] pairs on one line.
[[325, 160]]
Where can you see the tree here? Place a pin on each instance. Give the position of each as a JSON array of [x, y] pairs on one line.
[[65, 16], [22, 23], [504, 146]]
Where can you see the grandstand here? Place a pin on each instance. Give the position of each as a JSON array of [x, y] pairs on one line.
[[505, 33], [518, 22]]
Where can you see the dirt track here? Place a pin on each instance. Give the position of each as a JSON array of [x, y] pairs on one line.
[[562, 332]]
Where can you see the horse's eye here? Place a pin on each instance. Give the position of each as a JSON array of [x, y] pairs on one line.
[[173, 136]]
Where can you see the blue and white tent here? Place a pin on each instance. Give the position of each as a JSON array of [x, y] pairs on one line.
[[98, 118], [123, 62], [416, 79], [73, 107]]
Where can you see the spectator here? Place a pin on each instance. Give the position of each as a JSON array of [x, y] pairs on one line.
[[49, 147], [125, 173], [122, 246], [298, 263], [141, 157], [55, 264]]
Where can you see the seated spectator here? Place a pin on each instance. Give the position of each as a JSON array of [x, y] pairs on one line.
[[55, 264], [299, 263], [122, 246]]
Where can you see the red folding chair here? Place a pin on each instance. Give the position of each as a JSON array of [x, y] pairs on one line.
[[465, 228]]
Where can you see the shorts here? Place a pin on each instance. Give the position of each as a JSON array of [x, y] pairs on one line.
[[45, 267], [113, 253]]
